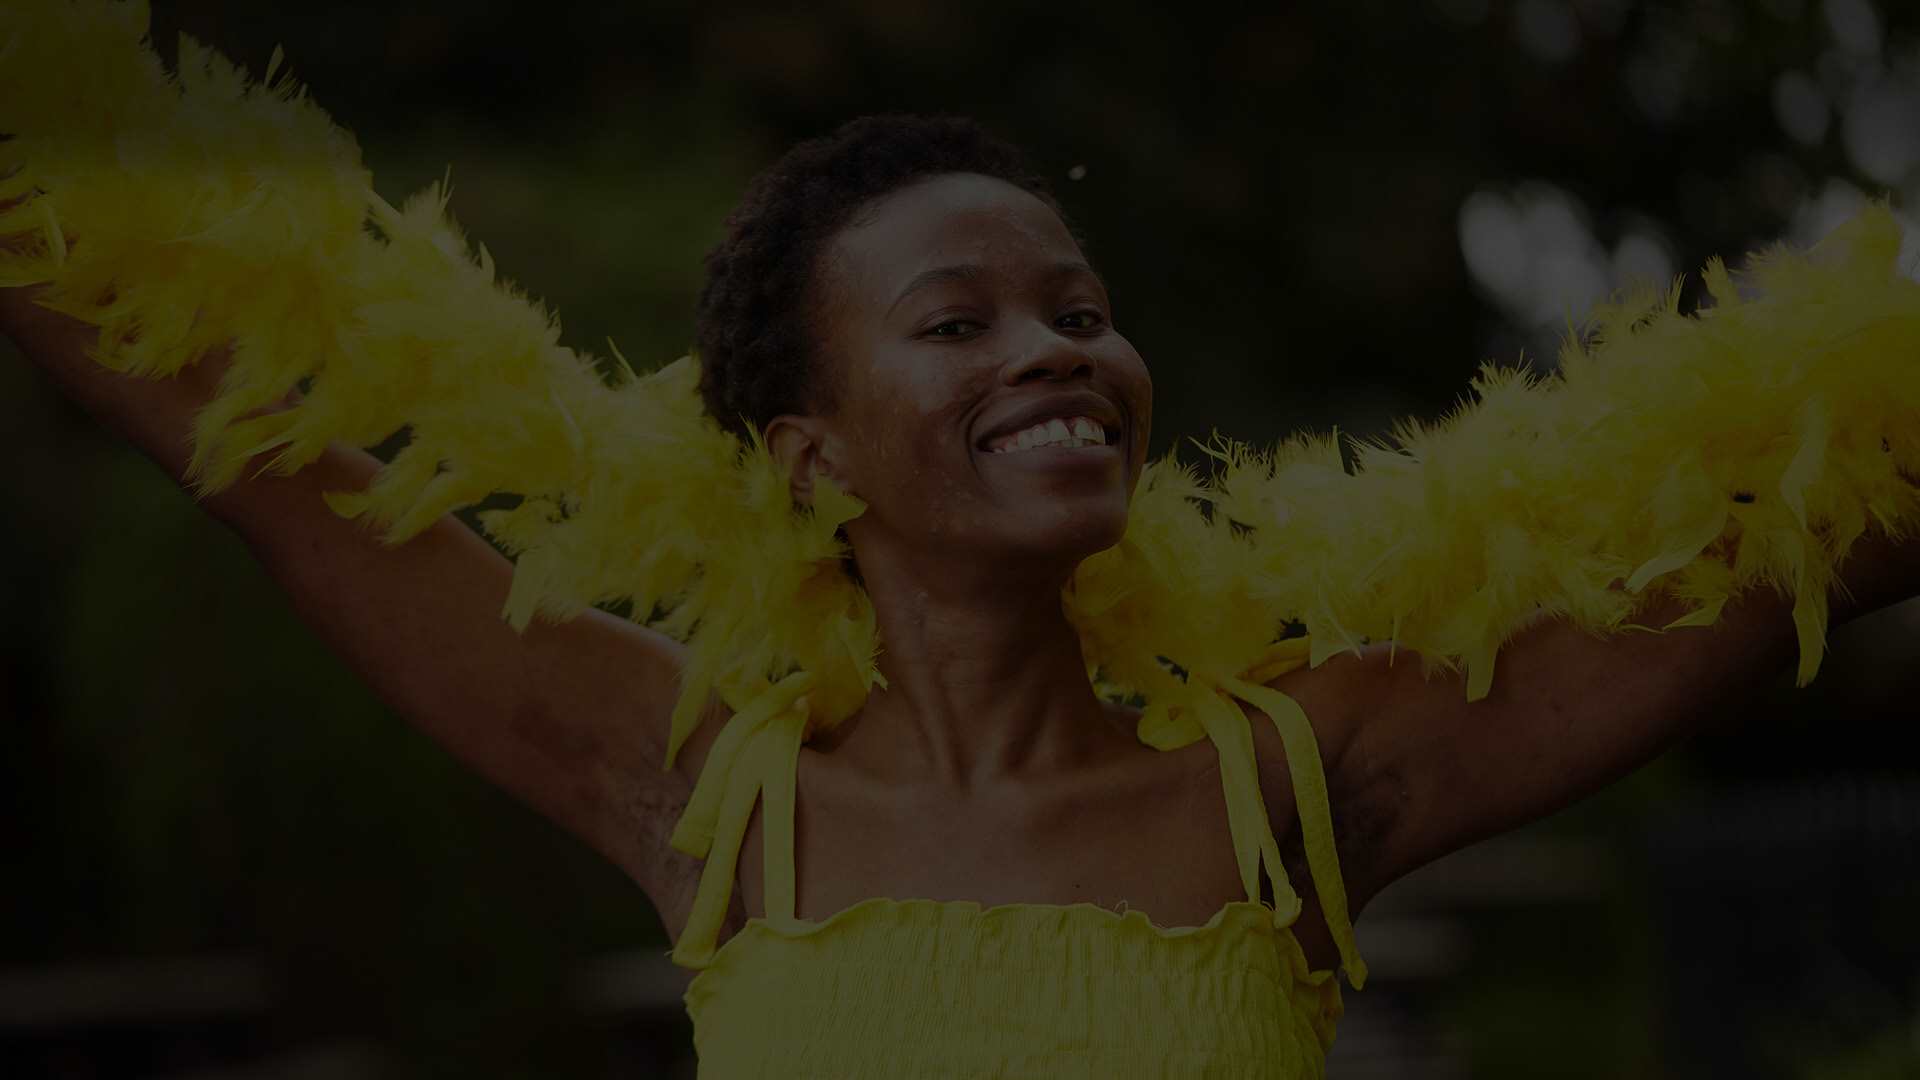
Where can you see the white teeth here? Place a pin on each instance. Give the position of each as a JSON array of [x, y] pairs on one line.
[[1061, 432]]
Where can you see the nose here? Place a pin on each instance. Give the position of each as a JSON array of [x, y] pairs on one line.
[[1052, 356]]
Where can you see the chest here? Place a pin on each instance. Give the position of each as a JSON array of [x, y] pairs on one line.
[[1150, 837]]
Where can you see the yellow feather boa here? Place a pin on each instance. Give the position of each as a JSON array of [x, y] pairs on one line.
[[1772, 427], [1696, 456]]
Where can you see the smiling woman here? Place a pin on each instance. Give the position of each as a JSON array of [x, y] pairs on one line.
[[959, 339], [1031, 790], [987, 340], [878, 295]]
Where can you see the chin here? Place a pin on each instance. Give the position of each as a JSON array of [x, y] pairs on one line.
[[1070, 531]]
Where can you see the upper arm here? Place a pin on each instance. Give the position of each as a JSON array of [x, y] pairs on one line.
[[570, 717], [1426, 772]]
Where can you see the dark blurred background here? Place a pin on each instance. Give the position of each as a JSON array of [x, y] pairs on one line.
[[223, 859]]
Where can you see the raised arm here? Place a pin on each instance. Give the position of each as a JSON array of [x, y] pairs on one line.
[[1421, 772], [570, 717]]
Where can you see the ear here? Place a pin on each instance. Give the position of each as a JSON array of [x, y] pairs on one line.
[[802, 446]]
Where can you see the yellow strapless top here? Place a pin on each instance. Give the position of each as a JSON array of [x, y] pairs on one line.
[[925, 988]]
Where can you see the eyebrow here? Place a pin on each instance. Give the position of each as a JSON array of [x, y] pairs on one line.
[[971, 271]]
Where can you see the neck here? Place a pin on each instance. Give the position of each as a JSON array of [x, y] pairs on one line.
[[985, 678]]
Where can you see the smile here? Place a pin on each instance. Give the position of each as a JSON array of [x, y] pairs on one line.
[[1061, 432]]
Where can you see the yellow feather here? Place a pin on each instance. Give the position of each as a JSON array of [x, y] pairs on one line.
[[1692, 456]]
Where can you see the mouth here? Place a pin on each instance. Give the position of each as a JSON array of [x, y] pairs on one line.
[[1080, 423], [1056, 433]]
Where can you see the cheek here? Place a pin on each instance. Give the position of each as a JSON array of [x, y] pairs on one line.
[[923, 471], [910, 449]]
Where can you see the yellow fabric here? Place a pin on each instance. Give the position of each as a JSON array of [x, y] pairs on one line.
[[1316, 829], [919, 989], [927, 988]]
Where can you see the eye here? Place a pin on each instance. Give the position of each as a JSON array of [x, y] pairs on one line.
[[1083, 319], [953, 328]]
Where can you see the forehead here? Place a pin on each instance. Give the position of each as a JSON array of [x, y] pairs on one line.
[[957, 218]]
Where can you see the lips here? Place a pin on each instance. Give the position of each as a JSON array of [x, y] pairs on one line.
[[1060, 406]]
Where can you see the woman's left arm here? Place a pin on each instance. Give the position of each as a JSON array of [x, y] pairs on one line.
[[1417, 771]]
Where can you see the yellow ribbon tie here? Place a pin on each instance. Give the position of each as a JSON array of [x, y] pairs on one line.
[[734, 782], [1252, 827], [1316, 818], [693, 834], [781, 757]]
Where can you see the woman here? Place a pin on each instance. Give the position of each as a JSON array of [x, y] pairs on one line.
[[904, 314]]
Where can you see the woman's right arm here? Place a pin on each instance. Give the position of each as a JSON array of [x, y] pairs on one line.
[[570, 717]]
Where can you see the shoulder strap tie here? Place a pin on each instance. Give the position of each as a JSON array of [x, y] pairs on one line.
[[1310, 797], [756, 751]]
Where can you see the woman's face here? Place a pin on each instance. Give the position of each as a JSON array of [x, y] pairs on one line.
[[982, 401]]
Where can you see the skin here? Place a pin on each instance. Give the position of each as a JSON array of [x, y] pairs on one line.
[[989, 747]]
